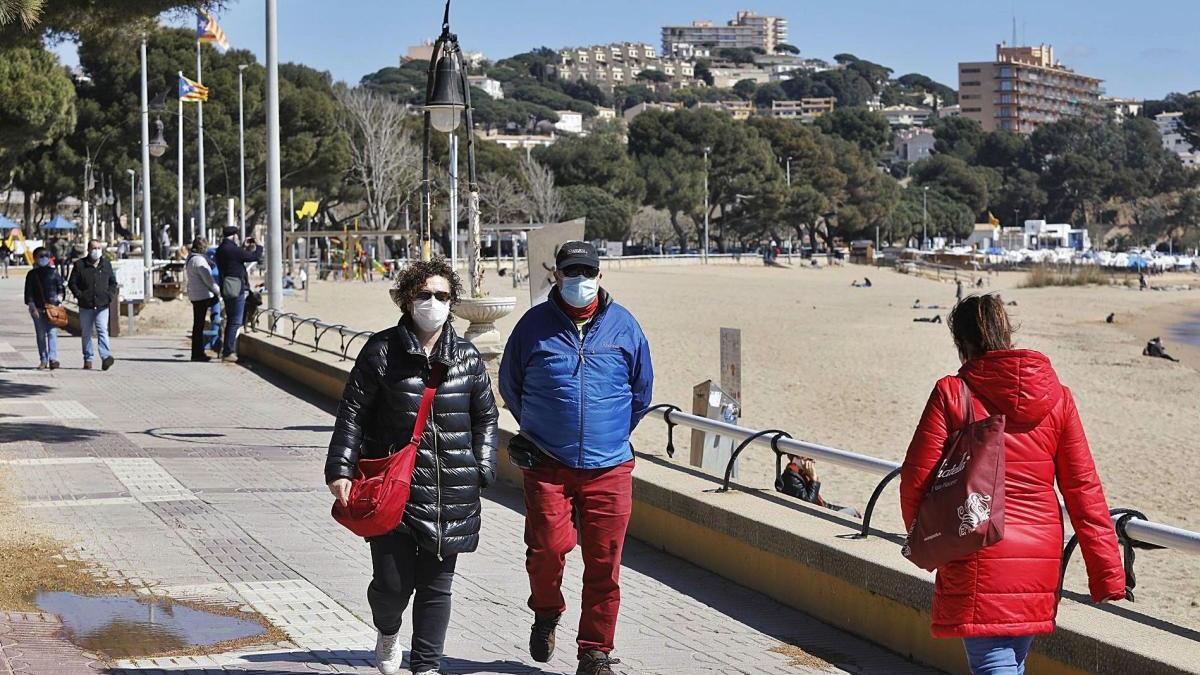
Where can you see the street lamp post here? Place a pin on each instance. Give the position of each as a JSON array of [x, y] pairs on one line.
[[448, 99], [924, 217], [704, 253], [147, 259], [241, 153], [274, 205], [132, 197], [789, 171]]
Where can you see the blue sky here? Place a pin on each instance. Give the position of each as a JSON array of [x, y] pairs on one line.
[[1140, 50]]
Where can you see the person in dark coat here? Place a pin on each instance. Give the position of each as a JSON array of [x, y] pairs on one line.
[[456, 458], [235, 283], [44, 286], [799, 480], [94, 286]]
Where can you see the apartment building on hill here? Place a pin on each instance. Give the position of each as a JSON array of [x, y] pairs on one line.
[[618, 64], [1023, 88], [747, 30]]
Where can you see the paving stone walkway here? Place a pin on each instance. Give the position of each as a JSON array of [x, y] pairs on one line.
[[203, 481]]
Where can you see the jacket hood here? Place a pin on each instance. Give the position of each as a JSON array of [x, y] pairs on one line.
[[1017, 383]]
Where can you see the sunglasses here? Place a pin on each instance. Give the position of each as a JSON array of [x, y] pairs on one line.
[[581, 271], [442, 296]]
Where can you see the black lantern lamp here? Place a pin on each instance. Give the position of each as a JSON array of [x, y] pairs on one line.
[[159, 145], [447, 101]]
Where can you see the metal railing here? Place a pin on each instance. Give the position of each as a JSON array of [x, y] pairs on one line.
[[292, 333], [1134, 528]]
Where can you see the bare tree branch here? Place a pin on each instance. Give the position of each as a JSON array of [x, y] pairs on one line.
[[384, 158], [541, 199]]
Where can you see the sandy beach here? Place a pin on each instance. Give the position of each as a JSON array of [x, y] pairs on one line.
[[848, 367]]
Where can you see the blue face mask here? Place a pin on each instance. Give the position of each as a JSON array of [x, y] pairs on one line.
[[579, 291], [42, 262]]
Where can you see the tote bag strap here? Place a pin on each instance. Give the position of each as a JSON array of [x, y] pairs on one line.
[[435, 380], [968, 404]]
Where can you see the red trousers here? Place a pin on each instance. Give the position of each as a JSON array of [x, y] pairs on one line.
[[602, 499]]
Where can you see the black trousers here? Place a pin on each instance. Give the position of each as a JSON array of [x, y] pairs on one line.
[[199, 314], [401, 569]]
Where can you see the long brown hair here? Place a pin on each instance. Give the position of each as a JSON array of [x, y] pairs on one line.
[[980, 325]]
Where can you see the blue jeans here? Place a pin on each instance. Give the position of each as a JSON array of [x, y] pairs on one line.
[[94, 320], [997, 655], [47, 338], [234, 308]]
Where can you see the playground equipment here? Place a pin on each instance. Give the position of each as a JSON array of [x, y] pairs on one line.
[[15, 235]]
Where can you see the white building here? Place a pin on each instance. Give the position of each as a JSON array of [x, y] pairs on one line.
[[518, 141], [1040, 234], [569, 121], [906, 116], [640, 108], [1123, 107], [1170, 127], [804, 109], [913, 145], [949, 111], [725, 78], [488, 85]]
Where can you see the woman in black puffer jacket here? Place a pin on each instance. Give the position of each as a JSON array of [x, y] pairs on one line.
[[455, 460]]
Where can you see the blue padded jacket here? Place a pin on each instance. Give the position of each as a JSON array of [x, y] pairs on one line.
[[578, 399]]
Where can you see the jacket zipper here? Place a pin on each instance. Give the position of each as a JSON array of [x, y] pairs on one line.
[[437, 465], [583, 381]]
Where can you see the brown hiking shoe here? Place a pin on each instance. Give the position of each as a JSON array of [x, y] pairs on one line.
[[87, 365], [596, 662], [541, 638]]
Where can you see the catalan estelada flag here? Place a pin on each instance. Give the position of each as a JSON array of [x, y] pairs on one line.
[[192, 91], [207, 30]]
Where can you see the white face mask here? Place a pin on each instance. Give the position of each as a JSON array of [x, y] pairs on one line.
[[94, 254], [579, 291], [430, 315]]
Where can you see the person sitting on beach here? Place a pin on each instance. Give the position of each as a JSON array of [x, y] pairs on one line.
[[799, 480], [1155, 349], [866, 282]]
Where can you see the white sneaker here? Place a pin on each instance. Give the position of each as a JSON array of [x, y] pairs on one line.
[[388, 656]]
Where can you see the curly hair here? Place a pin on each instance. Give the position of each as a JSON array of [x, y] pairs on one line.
[[412, 279]]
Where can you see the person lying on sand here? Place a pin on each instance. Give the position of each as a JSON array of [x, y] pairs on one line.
[[917, 305], [1155, 349], [936, 318]]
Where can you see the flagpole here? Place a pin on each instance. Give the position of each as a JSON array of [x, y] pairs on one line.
[[200, 146], [179, 178]]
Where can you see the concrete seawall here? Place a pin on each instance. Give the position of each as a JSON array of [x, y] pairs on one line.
[[805, 557]]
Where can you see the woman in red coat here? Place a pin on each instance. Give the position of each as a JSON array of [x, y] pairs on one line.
[[1001, 596]]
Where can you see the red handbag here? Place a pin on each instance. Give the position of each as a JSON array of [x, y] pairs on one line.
[[379, 494], [963, 509]]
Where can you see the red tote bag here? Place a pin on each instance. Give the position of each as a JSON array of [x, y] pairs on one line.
[[963, 509], [379, 494]]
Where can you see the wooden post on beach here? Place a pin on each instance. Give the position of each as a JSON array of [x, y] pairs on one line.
[[731, 362]]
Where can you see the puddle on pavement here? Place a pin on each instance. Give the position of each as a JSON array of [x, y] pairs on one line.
[[126, 627]]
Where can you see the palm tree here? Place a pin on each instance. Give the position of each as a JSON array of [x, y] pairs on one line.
[[24, 11]]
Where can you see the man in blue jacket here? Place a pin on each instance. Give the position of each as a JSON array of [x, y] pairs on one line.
[[576, 374]]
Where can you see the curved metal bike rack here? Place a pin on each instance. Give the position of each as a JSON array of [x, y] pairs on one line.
[[669, 408], [1121, 518], [866, 525], [742, 446]]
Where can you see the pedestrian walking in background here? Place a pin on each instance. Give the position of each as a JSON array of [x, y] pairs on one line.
[[94, 286], [1001, 596], [44, 286], [5, 253], [235, 284], [203, 292], [577, 376], [456, 458]]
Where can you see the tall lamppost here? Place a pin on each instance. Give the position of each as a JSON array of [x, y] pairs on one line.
[[242, 153], [789, 171], [924, 216], [132, 200], [447, 100], [704, 253]]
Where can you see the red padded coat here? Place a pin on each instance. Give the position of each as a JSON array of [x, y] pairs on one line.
[[1011, 587]]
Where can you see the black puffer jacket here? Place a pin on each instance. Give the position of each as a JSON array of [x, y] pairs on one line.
[[457, 455]]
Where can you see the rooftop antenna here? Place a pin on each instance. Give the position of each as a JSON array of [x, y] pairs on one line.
[[1014, 18]]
